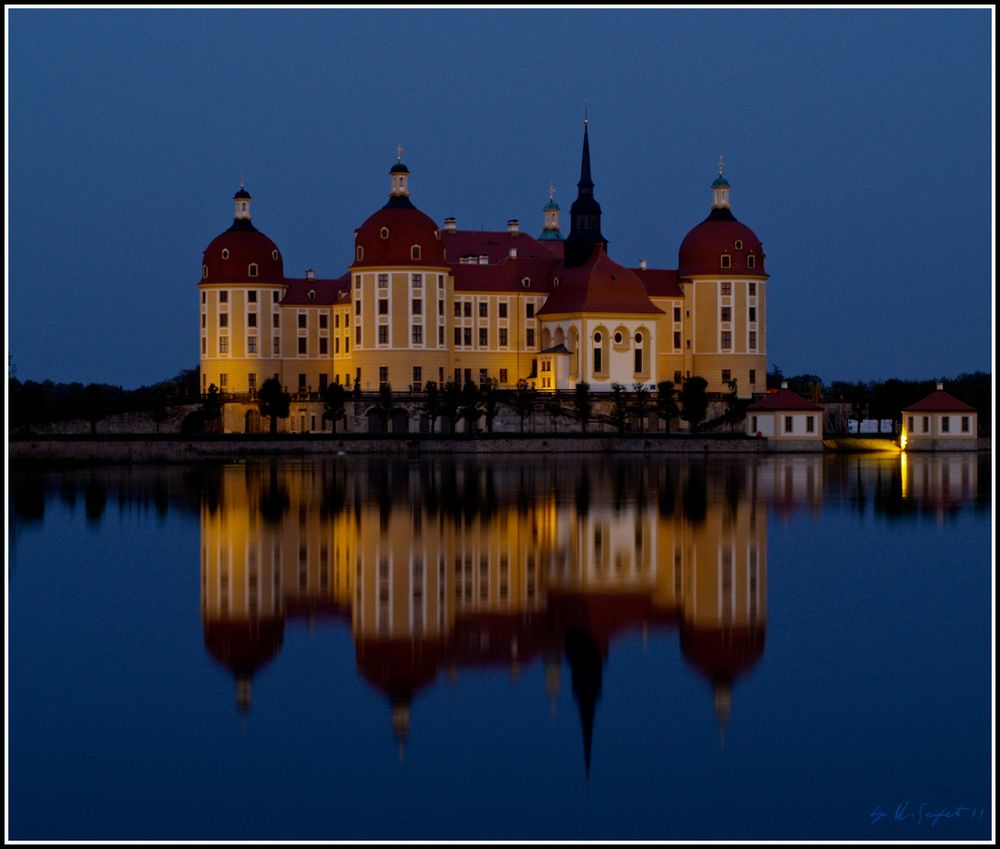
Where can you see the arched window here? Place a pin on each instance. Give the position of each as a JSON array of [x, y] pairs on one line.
[[252, 270], [727, 261], [359, 253], [415, 252], [751, 261], [525, 282], [598, 352]]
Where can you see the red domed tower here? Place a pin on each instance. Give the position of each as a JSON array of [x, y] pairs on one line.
[[242, 282], [399, 282], [721, 270]]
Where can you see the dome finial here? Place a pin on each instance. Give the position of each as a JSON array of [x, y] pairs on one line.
[[552, 191], [721, 164], [586, 111], [399, 151], [243, 180]]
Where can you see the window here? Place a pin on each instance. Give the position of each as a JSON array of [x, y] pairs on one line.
[[418, 280], [418, 334], [467, 309], [252, 270], [323, 321], [384, 233], [752, 339], [751, 261], [965, 424], [359, 253], [323, 381], [503, 376], [357, 307], [277, 345], [753, 424], [727, 288], [483, 376], [440, 307], [383, 280], [753, 314], [251, 319], [467, 335], [357, 281], [677, 313], [347, 319], [597, 355], [618, 338], [302, 345], [223, 344], [323, 345], [727, 339], [529, 309], [441, 336], [458, 335], [727, 261], [945, 424], [383, 306], [529, 338], [415, 252], [223, 381], [458, 309], [417, 374], [753, 288], [483, 333], [203, 321], [727, 375], [788, 424], [638, 360], [251, 344], [223, 319], [383, 375], [677, 378], [383, 335], [727, 314], [302, 320], [204, 344], [738, 244], [810, 424], [336, 346], [347, 344], [503, 337], [225, 253], [417, 306], [252, 296], [677, 338], [753, 376], [483, 309], [440, 281], [276, 320], [252, 381], [502, 310]]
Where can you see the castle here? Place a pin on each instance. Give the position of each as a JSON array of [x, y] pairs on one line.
[[426, 302]]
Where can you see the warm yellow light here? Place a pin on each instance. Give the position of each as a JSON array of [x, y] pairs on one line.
[[902, 440], [905, 486]]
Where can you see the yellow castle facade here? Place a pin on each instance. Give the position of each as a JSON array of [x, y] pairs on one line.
[[425, 302]]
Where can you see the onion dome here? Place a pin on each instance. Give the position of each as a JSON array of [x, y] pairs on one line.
[[398, 234], [243, 646], [720, 244], [242, 254]]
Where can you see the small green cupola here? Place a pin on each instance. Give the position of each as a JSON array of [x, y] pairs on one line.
[[720, 189], [551, 229]]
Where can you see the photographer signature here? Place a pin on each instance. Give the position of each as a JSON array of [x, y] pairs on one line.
[[924, 813]]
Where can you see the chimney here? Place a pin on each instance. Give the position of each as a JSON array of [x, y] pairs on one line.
[[512, 253], [484, 259], [513, 226], [310, 274], [784, 384], [940, 386], [642, 265], [450, 225]]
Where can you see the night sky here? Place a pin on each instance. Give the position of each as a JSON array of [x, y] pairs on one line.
[[858, 144]]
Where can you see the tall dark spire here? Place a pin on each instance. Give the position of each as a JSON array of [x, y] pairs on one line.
[[584, 214]]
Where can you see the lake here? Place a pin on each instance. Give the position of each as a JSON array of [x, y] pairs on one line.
[[591, 647]]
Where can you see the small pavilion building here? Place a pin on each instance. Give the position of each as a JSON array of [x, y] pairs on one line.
[[788, 419], [940, 422]]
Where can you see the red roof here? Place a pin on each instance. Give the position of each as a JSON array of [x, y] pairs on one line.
[[784, 399], [389, 235], [660, 282], [599, 286], [940, 402], [325, 292], [495, 244], [228, 257], [702, 249], [723, 652]]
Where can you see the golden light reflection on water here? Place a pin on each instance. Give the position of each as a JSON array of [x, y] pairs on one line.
[[445, 566]]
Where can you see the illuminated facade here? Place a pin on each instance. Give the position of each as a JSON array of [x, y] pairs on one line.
[[426, 302], [940, 422]]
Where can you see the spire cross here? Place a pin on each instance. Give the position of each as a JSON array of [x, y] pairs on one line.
[[399, 152], [586, 110], [552, 191], [243, 182], [721, 164]]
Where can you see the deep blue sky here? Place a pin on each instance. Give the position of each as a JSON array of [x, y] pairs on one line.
[[858, 143]]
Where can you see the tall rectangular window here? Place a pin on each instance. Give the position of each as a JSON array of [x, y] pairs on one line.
[[252, 381], [727, 288], [223, 344], [529, 309], [417, 306], [483, 334], [223, 319], [383, 280], [251, 344], [965, 424], [467, 309], [302, 345], [677, 339], [383, 375], [753, 376], [483, 309], [302, 319], [752, 339], [945, 424], [753, 314], [441, 335], [383, 335], [502, 309], [597, 360], [458, 335], [503, 376], [383, 306], [276, 320], [418, 334], [753, 288], [677, 313], [457, 307], [277, 345], [810, 424], [322, 321], [529, 338], [727, 313], [788, 424], [467, 336], [323, 345], [503, 337], [727, 375], [727, 339], [418, 280], [927, 424], [251, 319]]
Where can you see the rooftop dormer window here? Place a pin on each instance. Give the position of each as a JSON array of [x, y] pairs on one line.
[[726, 261], [751, 261], [252, 270], [384, 233], [225, 253], [415, 252], [359, 253]]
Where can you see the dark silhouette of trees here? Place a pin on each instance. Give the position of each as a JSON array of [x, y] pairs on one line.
[[641, 404], [334, 404], [96, 404], [490, 396], [451, 401], [619, 407], [431, 406], [469, 406], [694, 401], [274, 402], [524, 401], [666, 403], [582, 404], [554, 407]]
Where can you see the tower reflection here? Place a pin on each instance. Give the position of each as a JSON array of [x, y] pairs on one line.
[[441, 566]]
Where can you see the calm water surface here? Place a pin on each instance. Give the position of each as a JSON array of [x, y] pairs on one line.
[[563, 648]]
